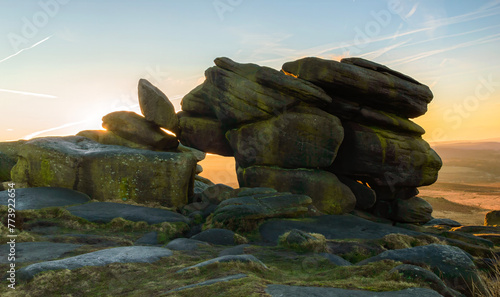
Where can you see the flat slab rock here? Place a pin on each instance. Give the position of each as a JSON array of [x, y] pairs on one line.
[[37, 251], [128, 254], [37, 198], [332, 227], [106, 172], [297, 291], [262, 206], [455, 267], [104, 212]]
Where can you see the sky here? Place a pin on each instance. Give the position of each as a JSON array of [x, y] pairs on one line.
[[64, 64]]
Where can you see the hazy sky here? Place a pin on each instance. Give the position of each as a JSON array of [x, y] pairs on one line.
[[66, 63]]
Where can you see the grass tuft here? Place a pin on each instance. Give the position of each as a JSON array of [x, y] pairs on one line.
[[491, 281]]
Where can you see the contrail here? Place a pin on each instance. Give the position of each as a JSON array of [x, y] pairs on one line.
[[27, 137], [22, 50], [28, 93]]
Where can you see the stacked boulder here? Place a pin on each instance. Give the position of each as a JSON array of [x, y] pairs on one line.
[[338, 132], [135, 158], [145, 132]]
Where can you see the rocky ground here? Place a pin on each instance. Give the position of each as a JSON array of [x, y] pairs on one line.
[[68, 245]]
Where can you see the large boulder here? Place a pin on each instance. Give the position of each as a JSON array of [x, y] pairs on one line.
[[135, 128], [492, 218], [365, 82], [8, 158], [156, 107], [454, 266], [241, 93], [413, 210], [329, 195], [304, 137], [6, 164], [204, 134], [260, 206], [106, 172], [126, 254], [38, 198], [384, 158], [105, 212]]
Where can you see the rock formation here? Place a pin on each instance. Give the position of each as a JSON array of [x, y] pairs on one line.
[[338, 132], [313, 141]]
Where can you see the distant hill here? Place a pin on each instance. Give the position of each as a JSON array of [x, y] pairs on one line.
[[469, 162]]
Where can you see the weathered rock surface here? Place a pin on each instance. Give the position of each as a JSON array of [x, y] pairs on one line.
[[330, 226], [298, 118], [240, 93], [300, 138], [454, 265], [216, 194], [129, 254], [105, 212], [444, 222], [492, 218], [414, 272], [186, 244], [8, 158], [195, 102], [384, 158], [106, 172], [135, 128], [229, 258], [299, 291], [413, 210], [198, 155], [328, 194], [235, 250], [261, 206], [26, 252], [297, 237], [216, 236], [37, 198], [365, 82], [6, 164], [110, 138], [156, 107], [204, 134], [334, 259], [150, 238]]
